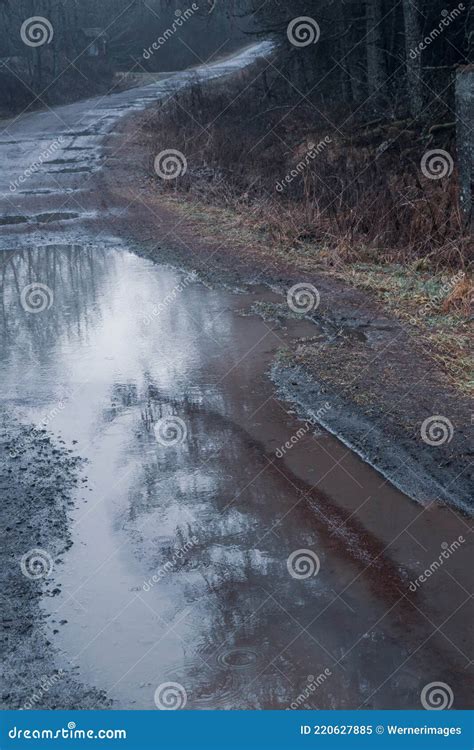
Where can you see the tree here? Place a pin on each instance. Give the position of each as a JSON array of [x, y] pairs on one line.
[[376, 69], [413, 56]]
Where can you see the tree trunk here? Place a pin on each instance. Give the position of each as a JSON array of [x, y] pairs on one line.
[[341, 26], [376, 69], [413, 57]]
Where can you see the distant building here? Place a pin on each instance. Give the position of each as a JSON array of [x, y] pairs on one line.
[[97, 42]]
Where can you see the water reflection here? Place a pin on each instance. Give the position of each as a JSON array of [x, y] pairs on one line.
[[178, 568], [73, 273]]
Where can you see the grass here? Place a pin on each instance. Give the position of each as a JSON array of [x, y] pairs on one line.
[[413, 294], [422, 299]]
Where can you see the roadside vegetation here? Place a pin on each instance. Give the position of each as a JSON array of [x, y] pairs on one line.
[[346, 152], [324, 190]]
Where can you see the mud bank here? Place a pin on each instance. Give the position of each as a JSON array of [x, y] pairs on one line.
[[37, 477], [366, 437]]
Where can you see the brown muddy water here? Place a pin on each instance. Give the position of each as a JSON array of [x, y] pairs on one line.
[[204, 554]]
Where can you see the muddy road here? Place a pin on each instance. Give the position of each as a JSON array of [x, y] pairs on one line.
[[220, 551]]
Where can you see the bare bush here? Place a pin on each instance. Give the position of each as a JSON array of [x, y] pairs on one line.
[[362, 194]]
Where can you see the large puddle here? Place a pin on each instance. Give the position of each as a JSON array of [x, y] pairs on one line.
[[186, 565]]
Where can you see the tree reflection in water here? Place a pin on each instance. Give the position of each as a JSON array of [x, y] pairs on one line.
[[73, 273]]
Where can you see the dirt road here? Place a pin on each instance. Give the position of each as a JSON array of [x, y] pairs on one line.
[[215, 549]]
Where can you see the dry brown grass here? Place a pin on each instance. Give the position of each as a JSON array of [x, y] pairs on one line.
[[363, 194], [461, 298], [361, 210]]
